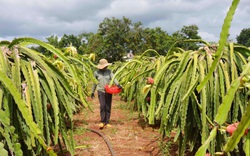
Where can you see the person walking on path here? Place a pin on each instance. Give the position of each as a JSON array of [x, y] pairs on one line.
[[104, 76]]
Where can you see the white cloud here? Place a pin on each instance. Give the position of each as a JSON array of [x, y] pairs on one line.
[[40, 19], [208, 37]]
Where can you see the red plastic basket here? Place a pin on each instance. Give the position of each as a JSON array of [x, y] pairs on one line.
[[112, 89]]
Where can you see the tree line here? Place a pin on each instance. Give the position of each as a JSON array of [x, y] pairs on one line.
[[116, 37]]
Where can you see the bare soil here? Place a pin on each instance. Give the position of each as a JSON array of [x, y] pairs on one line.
[[128, 136]]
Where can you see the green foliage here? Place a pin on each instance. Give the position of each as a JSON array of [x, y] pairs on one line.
[[70, 40], [243, 50], [244, 37], [221, 98], [156, 39], [116, 37], [53, 40], [174, 102], [223, 39], [187, 33], [38, 99], [114, 33], [86, 47], [66, 40], [95, 45]]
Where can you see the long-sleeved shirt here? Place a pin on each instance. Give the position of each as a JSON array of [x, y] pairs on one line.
[[104, 77]]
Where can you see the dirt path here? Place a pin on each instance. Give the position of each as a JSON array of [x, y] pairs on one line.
[[128, 135]]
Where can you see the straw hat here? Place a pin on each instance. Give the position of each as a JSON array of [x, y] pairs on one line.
[[103, 63]]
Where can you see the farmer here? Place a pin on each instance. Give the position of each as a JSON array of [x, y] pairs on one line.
[[104, 76]]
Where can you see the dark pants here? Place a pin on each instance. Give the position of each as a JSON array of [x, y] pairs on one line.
[[105, 100]]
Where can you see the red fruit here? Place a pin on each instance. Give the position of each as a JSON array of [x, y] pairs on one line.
[[112, 89], [55, 56], [150, 80], [246, 131], [148, 99], [207, 154], [231, 128]]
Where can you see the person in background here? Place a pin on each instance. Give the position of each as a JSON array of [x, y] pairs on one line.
[[104, 76]]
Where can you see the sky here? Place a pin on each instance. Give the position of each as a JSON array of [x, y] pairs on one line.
[[43, 18]]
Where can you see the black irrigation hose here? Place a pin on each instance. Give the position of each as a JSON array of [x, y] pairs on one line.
[[105, 139]]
